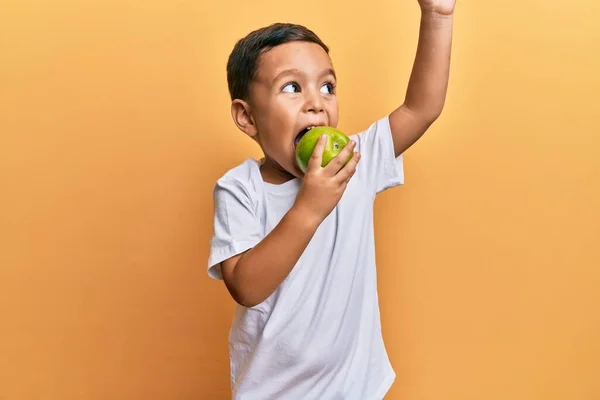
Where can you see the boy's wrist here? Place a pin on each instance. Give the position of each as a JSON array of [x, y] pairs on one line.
[[303, 217], [435, 21], [427, 13]]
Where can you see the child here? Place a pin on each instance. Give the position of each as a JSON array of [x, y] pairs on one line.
[[296, 251]]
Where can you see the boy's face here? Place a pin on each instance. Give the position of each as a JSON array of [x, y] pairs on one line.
[[294, 89]]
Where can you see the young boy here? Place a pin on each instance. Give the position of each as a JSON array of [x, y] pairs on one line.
[[296, 251]]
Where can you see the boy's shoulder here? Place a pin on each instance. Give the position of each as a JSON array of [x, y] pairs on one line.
[[243, 171], [243, 178]]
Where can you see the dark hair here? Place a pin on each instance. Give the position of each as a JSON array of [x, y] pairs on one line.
[[243, 60]]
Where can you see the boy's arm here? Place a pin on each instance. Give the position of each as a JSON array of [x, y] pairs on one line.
[[428, 82], [254, 275]]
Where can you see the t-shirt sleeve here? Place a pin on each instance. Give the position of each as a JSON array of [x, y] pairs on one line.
[[236, 226], [378, 166]]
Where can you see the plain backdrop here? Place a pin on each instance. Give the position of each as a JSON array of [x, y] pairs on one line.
[[115, 125]]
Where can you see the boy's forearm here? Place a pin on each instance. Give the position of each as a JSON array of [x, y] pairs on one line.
[[428, 82], [263, 268]]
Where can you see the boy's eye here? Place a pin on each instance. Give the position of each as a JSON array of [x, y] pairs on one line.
[[328, 88], [292, 87]]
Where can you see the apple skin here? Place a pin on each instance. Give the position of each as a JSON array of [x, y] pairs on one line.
[[336, 140]]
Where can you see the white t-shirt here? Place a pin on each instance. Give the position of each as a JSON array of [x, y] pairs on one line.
[[318, 336]]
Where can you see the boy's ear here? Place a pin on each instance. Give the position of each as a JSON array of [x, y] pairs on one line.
[[240, 111]]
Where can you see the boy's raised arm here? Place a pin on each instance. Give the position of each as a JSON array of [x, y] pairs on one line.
[[428, 83]]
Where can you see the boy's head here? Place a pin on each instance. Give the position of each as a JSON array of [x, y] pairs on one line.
[[281, 81]]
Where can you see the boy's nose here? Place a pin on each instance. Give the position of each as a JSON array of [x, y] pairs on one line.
[[314, 103]]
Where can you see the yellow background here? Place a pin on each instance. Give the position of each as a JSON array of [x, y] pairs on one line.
[[115, 125]]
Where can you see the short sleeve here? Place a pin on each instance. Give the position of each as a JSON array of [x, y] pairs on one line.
[[236, 226], [379, 166]]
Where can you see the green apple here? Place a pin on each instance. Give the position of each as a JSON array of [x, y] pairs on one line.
[[336, 140]]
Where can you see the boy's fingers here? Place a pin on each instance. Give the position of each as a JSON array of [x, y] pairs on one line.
[[337, 163], [349, 169], [351, 175], [317, 154]]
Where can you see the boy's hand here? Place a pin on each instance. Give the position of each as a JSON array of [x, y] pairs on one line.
[[441, 7], [323, 187]]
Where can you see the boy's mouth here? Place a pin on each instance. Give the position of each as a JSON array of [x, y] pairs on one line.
[[302, 133]]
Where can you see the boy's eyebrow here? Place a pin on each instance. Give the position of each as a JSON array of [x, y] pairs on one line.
[[329, 71], [295, 71]]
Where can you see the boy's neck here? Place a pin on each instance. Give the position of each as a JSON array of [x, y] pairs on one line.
[[272, 173]]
